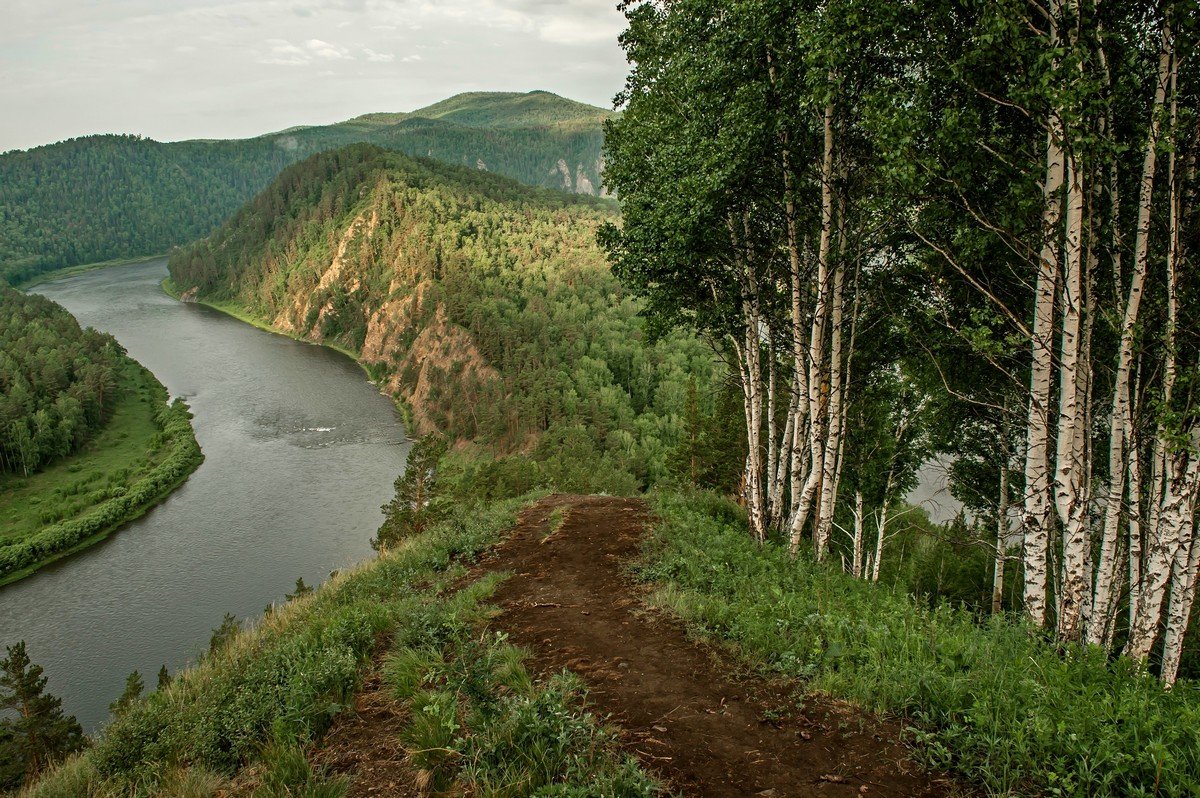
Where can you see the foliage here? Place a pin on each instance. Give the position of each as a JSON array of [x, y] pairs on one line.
[[34, 733], [484, 304], [299, 591], [134, 687], [182, 456], [992, 700], [289, 775], [480, 725], [223, 634]]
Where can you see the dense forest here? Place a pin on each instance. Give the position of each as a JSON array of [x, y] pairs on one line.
[[57, 381], [100, 198], [484, 304]]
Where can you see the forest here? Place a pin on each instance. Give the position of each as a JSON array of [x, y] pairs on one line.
[[100, 198], [852, 238], [57, 382]]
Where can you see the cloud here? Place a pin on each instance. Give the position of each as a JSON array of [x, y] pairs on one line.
[[382, 58], [232, 68], [284, 53], [330, 52]]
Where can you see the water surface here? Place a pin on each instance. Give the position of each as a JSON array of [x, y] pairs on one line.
[[300, 451]]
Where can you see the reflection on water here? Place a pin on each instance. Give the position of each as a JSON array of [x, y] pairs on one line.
[[300, 450]]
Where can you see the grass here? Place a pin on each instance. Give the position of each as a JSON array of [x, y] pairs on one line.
[[478, 724], [247, 712], [130, 451], [992, 700]]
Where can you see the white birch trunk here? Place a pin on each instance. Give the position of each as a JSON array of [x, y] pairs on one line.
[[1120, 428], [1001, 540], [1036, 511], [859, 533], [833, 438], [817, 370], [1070, 470]]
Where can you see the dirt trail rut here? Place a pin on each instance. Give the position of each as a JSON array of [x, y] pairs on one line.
[[688, 716]]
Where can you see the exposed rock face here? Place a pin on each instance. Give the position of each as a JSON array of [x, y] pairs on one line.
[[582, 184], [480, 165], [418, 365], [563, 172], [579, 182]]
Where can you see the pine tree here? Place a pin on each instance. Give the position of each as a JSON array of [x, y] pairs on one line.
[[224, 633], [164, 678], [300, 590], [414, 506], [39, 733], [134, 686]]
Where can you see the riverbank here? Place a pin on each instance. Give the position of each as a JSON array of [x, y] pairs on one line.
[[243, 315], [71, 271], [145, 451]]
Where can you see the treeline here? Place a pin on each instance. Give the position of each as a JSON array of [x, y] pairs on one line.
[[966, 229], [484, 304], [57, 381], [107, 197]]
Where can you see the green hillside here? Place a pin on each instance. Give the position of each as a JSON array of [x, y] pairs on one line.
[[484, 305], [100, 198]]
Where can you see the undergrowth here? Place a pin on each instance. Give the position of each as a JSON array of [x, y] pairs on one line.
[[478, 723], [992, 701]]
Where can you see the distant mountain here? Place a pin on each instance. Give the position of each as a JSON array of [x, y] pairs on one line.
[[105, 197]]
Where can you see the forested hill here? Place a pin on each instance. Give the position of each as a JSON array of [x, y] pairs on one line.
[[108, 197], [484, 304]]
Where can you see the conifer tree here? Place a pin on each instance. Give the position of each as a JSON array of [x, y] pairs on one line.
[[164, 678], [300, 590], [36, 732], [134, 686], [414, 506]]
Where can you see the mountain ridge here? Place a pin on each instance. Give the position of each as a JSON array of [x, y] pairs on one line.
[[110, 196]]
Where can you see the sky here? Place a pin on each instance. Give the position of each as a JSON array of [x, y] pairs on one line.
[[180, 69]]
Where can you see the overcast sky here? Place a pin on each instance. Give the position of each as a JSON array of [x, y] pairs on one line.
[[176, 69]]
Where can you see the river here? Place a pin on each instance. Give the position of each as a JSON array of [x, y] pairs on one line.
[[301, 451]]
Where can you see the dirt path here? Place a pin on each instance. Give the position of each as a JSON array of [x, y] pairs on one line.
[[687, 713]]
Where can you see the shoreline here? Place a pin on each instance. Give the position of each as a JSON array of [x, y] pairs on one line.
[[83, 268], [241, 314], [182, 445]]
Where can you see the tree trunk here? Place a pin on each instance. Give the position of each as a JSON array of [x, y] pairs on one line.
[[1036, 512], [1070, 472], [1120, 428], [1001, 539], [817, 369], [857, 568]]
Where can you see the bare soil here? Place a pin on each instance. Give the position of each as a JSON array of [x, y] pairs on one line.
[[687, 710]]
